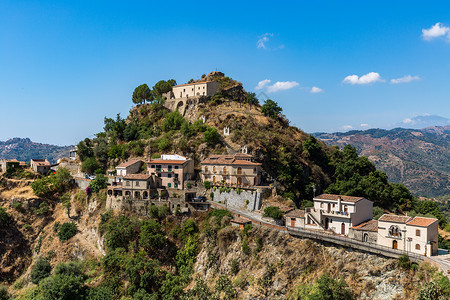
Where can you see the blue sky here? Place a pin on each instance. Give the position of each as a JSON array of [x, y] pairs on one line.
[[64, 65]]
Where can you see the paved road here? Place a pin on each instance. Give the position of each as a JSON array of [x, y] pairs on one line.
[[443, 261]]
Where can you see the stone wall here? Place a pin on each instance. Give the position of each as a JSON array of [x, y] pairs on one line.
[[140, 207], [239, 200], [358, 235], [82, 183]]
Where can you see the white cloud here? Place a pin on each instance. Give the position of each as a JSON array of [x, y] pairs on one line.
[[315, 90], [364, 79], [407, 121], [263, 40], [364, 125], [437, 30], [262, 84], [347, 127], [281, 86], [405, 79]]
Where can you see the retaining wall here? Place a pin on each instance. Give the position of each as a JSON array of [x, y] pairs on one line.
[[239, 200]]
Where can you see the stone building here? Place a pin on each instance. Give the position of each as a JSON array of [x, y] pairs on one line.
[[41, 166], [418, 235], [234, 170], [135, 186], [295, 218], [132, 166], [365, 232], [338, 213], [173, 170], [196, 89], [10, 164]]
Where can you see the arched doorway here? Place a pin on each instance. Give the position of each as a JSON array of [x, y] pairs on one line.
[[342, 228], [239, 170], [329, 207], [394, 244], [365, 237], [327, 221], [239, 180], [214, 179]]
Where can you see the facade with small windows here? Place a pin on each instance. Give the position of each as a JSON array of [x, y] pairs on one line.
[[173, 170], [132, 166], [338, 213], [197, 89], [233, 170], [135, 186], [418, 235]]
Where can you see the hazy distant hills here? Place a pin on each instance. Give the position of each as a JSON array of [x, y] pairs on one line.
[[25, 149], [418, 158]]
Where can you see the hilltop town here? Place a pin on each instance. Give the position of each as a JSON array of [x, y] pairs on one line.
[[197, 172]]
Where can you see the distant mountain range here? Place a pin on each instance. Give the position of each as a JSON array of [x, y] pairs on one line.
[[418, 158], [423, 121], [25, 149]]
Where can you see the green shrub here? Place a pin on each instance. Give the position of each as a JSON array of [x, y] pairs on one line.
[[404, 262], [40, 270], [100, 182], [18, 206], [234, 266], [377, 212], [245, 247], [211, 195], [43, 209], [27, 227], [223, 284], [207, 185], [67, 231], [211, 136], [5, 218], [4, 295], [273, 212]]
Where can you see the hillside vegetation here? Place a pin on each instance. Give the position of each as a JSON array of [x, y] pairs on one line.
[[25, 149], [419, 159]]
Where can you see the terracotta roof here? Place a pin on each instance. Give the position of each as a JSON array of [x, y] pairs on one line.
[[137, 176], [228, 160], [394, 218], [335, 197], [296, 213], [421, 221], [239, 220], [167, 161], [41, 162], [193, 83], [128, 163], [371, 225]]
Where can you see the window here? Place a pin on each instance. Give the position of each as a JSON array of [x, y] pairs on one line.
[[417, 247], [152, 166], [137, 183], [158, 168], [169, 185], [192, 88], [214, 169], [203, 87], [224, 170], [417, 233], [321, 204], [127, 183], [239, 170], [176, 167], [254, 170], [184, 90], [169, 175], [169, 167], [159, 174], [206, 169], [345, 208], [175, 185]]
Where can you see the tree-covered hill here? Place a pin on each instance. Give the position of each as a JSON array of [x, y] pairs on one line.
[[24, 149], [294, 162], [419, 159]]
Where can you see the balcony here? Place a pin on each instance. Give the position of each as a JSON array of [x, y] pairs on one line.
[[334, 213]]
